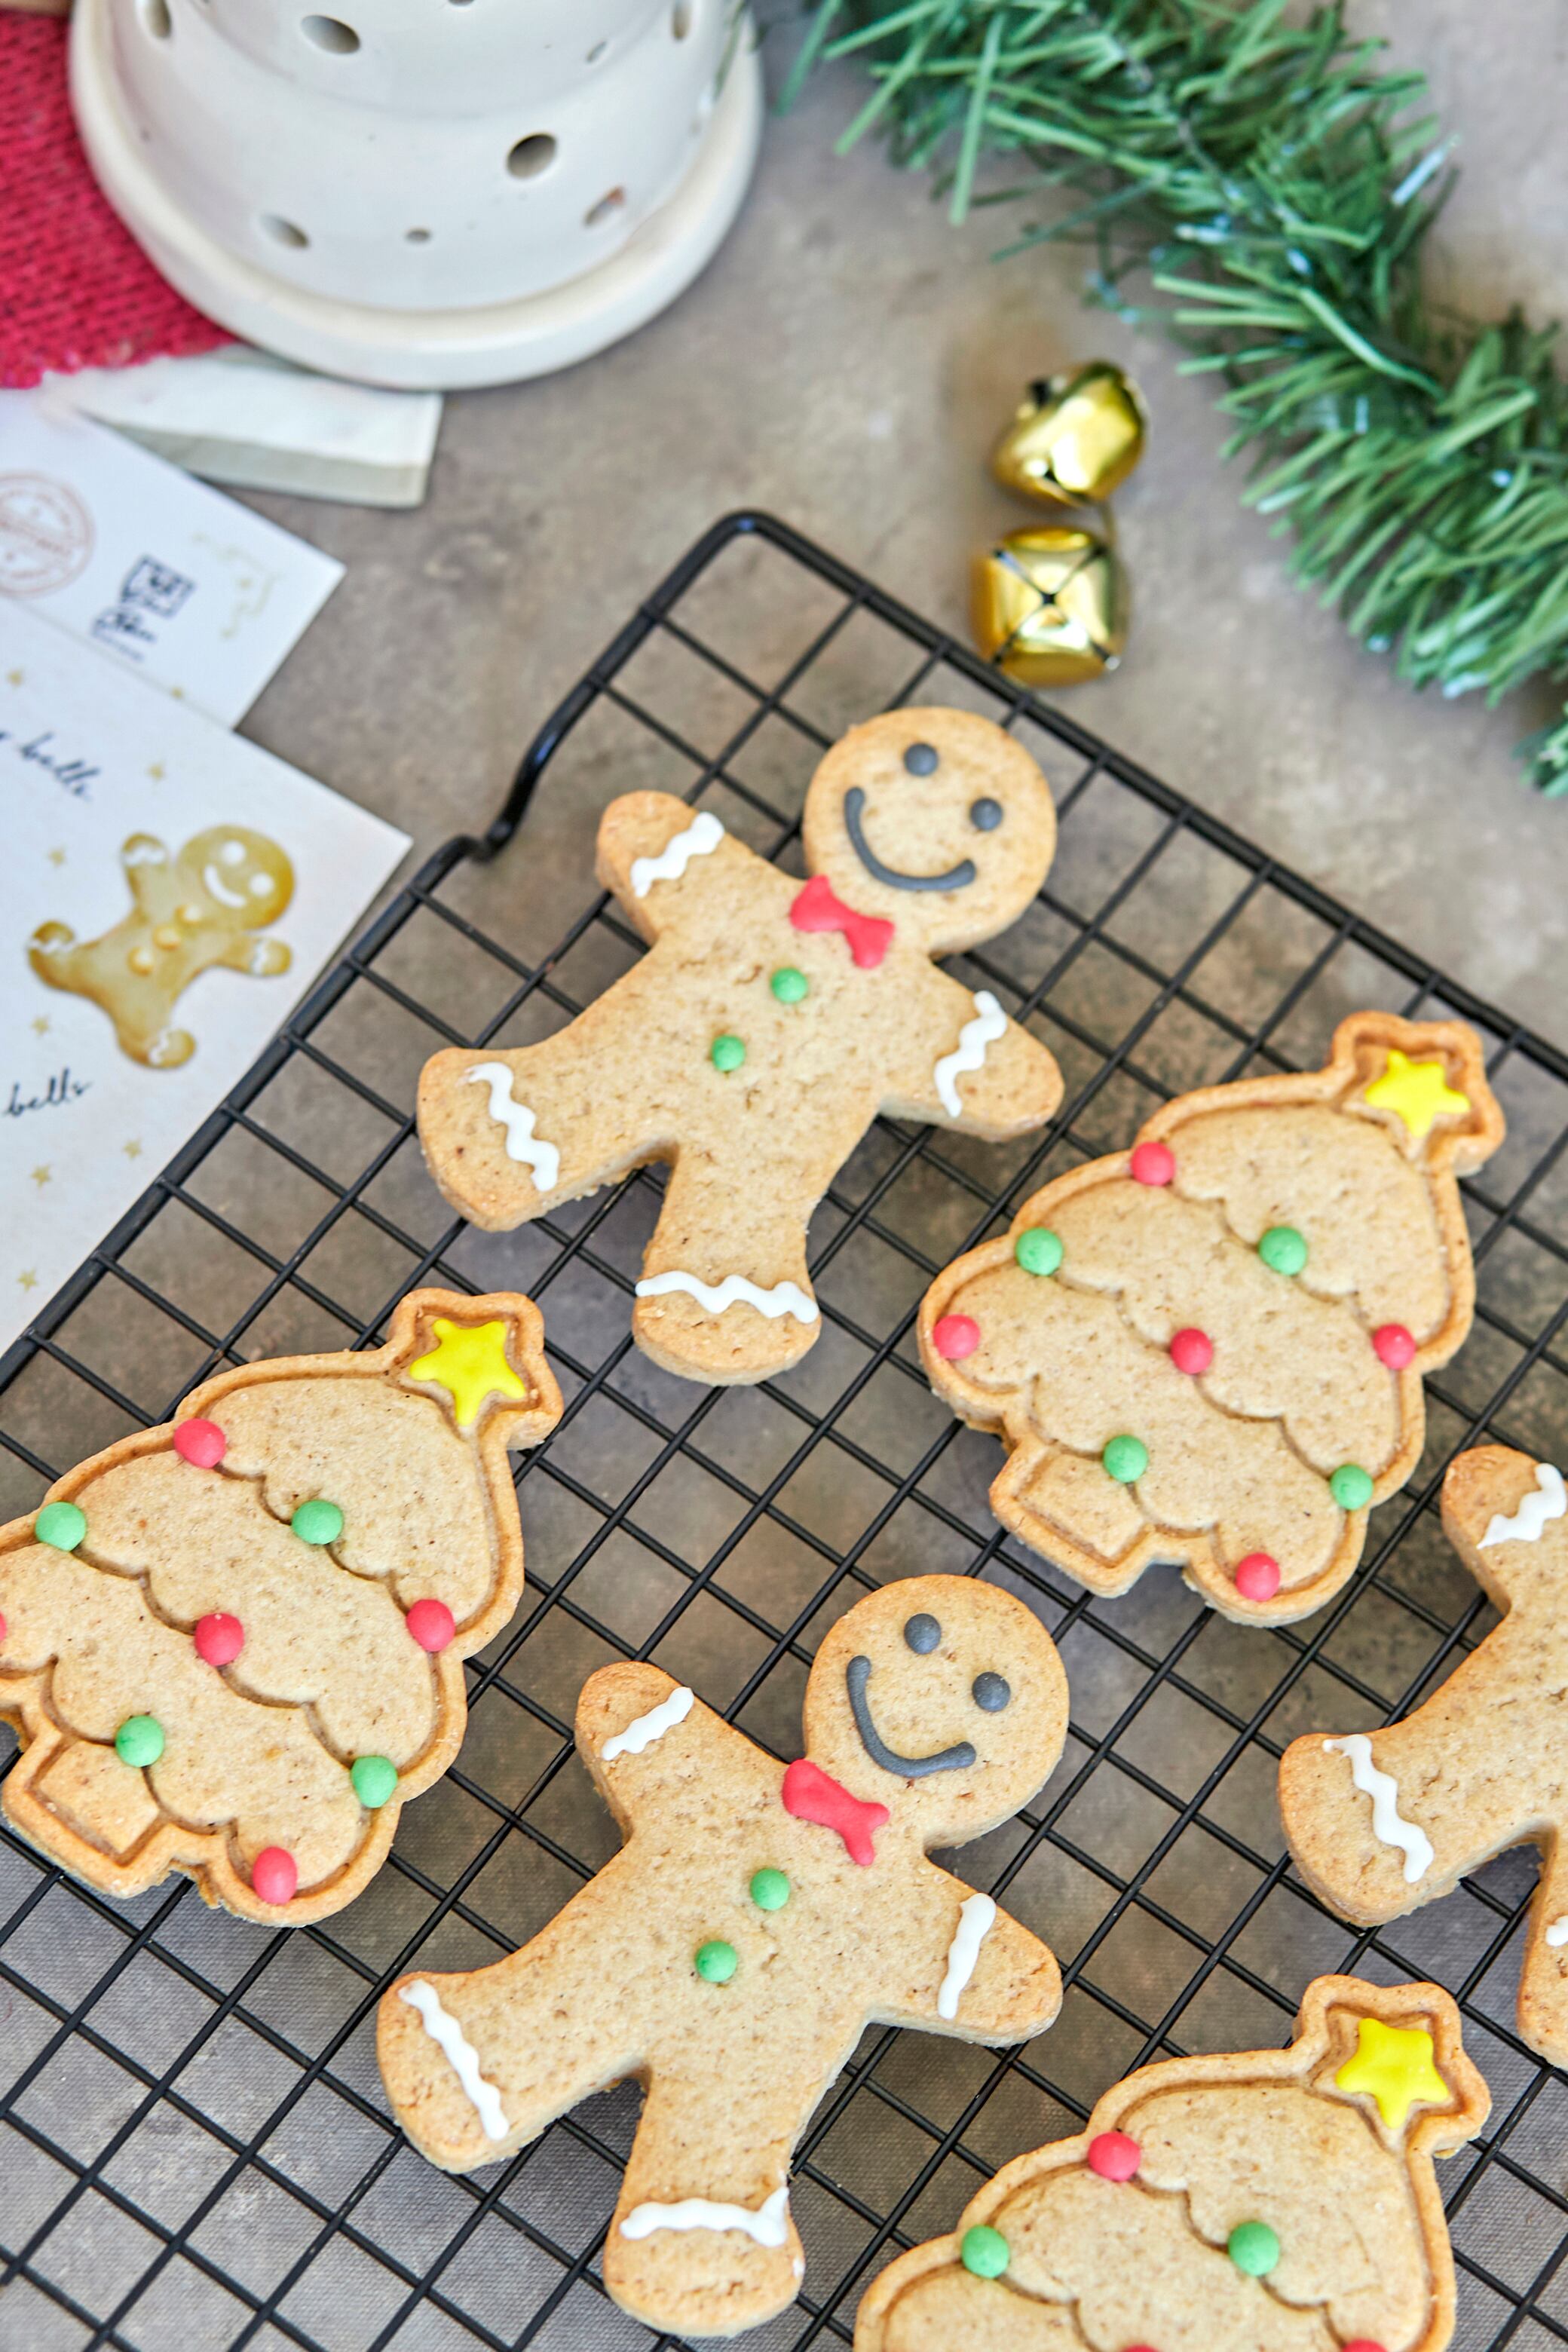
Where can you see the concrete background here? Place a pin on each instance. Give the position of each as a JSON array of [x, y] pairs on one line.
[[846, 362]]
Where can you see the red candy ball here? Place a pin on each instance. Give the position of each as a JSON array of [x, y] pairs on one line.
[[1152, 1164], [218, 1639], [1257, 1575], [956, 1336], [1362, 2344], [1192, 1351], [1394, 1346], [432, 1624], [275, 1875], [202, 1443], [1114, 2156]]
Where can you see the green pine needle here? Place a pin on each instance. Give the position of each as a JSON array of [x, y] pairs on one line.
[[1270, 179]]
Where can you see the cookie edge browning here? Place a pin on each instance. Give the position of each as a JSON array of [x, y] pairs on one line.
[[203, 1856], [1436, 2133]]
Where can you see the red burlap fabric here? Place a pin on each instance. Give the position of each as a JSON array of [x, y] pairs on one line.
[[75, 290]]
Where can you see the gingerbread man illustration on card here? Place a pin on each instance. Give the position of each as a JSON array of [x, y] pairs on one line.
[[1380, 1822], [758, 1918], [768, 1027]]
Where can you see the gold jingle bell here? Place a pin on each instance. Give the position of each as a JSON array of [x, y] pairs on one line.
[[1075, 437], [1049, 605]]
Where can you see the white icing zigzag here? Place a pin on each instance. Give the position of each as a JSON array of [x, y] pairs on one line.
[[769, 2225], [649, 1727], [701, 836], [783, 1298], [989, 1023], [1387, 1822], [1548, 1503], [976, 1919], [443, 2028], [1557, 1933], [544, 1159]]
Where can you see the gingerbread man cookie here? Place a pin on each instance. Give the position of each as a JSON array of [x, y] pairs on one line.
[[1270, 2201], [1380, 1822], [233, 1646], [201, 908], [1209, 1349], [768, 1027], [756, 1921]]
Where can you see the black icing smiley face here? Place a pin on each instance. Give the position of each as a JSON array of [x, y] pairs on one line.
[[935, 819]]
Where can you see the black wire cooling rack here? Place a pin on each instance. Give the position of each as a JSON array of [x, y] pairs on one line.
[[194, 2148]]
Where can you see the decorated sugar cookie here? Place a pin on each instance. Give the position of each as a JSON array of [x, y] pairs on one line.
[[1271, 2201], [1209, 1349], [233, 1646], [758, 1918], [1380, 1822], [768, 1027]]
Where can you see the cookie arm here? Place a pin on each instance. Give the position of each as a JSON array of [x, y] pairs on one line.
[[662, 857], [993, 1981], [648, 1741], [969, 1067]]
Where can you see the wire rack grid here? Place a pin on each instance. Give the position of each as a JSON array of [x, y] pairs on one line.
[[193, 2146]]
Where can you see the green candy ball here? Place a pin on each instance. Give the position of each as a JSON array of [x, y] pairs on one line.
[[318, 1522], [1253, 2247], [1038, 1251], [770, 1890], [789, 985], [60, 1525], [1283, 1250], [717, 1961], [983, 2252], [374, 1779], [726, 1053], [139, 1740], [1350, 1488], [1125, 1459]]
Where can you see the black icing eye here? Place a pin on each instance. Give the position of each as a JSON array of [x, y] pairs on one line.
[[921, 759], [922, 1634], [985, 815], [992, 1693]]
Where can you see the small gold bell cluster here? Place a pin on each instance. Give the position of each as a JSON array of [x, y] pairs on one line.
[[1049, 604]]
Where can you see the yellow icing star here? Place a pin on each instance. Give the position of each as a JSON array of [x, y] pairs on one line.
[[1393, 2064], [469, 1362], [1418, 1092]]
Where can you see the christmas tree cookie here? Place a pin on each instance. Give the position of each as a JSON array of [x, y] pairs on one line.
[[1271, 2201], [756, 1921], [1209, 1348], [233, 1646], [1384, 1822], [768, 1027]]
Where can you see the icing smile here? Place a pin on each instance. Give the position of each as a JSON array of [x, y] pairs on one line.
[[957, 878], [856, 1675]]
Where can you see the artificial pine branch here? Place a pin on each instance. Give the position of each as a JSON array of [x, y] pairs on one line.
[[1272, 181]]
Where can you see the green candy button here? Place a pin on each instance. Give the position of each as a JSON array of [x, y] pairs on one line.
[[139, 1740], [789, 985], [726, 1053], [318, 1522], [983, 2252], [60, 1525], [770, 1890], [1283, 1250], [717, 1961], [1038, 1251], [1253, 2247], [374, 1779], [1350, 1488], [1125, 1459]]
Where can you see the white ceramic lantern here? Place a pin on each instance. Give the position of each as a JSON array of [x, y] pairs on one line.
[[422, 191]]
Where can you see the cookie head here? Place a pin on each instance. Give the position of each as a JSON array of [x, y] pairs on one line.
[[936, 819], [235, 877], [940, 1698]]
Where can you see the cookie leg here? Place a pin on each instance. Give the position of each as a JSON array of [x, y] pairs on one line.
[[725, 1295], [1543, 1984]]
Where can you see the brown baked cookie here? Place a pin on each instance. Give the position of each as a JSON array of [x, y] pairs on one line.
[[1209, 1349], [1270, 2201], [768, 1027], [233, 1646], [756, 1921], [1384, 1822]]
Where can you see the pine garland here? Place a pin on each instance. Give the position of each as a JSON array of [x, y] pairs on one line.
[[1274, 183]]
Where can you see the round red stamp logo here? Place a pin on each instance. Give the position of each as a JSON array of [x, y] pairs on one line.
[[45, 534]]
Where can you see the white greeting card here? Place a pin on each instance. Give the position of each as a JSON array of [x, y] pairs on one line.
[[171, 579], [171, 892]]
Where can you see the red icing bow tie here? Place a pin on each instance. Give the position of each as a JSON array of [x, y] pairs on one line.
[[813, 1795], [818, 908]]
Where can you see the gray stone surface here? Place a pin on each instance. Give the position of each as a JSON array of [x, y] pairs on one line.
[[845, 361]]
